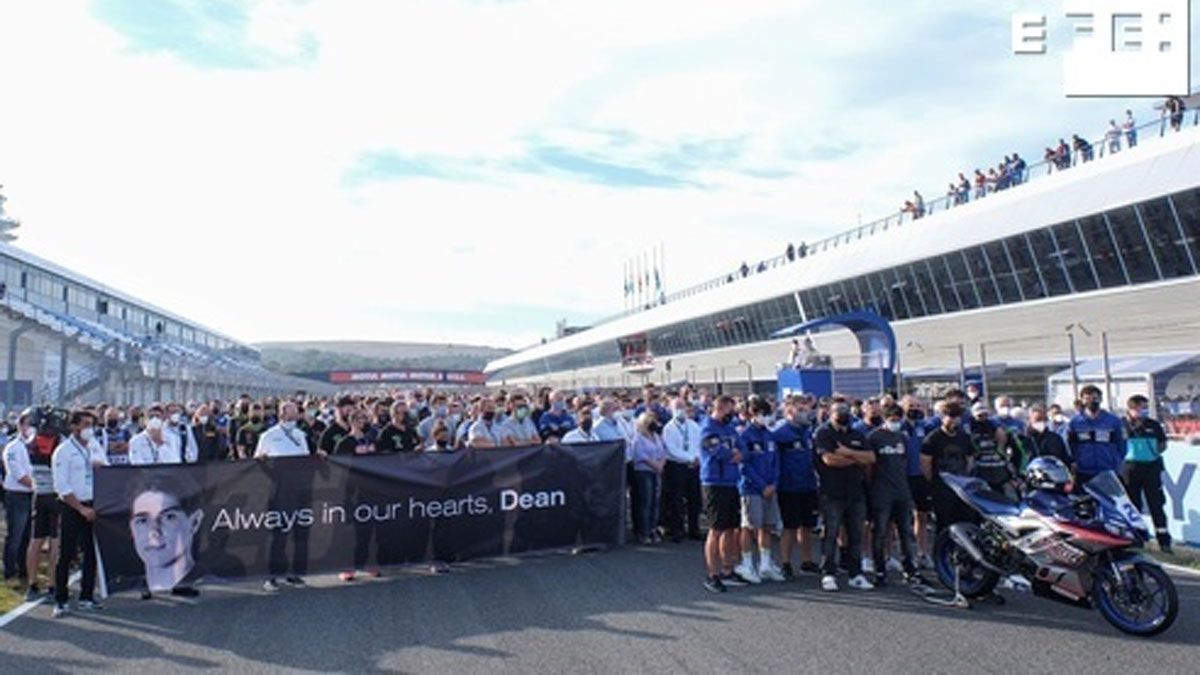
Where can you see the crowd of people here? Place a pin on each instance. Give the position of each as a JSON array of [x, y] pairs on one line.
[[859, 477]]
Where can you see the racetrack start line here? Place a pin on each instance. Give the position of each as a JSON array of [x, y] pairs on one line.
[[24, 608]]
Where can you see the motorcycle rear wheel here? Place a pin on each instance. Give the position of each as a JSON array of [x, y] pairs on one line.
[[975, 580], [1146, 590]]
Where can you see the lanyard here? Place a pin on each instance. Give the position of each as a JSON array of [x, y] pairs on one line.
[[87, 460]]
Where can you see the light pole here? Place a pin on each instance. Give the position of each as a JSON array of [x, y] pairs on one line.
[[749, 376]]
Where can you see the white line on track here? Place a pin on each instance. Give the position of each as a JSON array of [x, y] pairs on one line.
[[24, 608]]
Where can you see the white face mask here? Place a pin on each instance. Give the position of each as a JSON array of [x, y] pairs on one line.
[[175, 418], [1038, 426], [204, 419], [763, 420], [29, 435], [154, 424], [1059, 418], [891, 425], [289, 425], [680, 414], [87, 434], [1003, 411]]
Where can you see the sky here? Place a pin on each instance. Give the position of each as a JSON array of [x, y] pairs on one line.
[[474, 170]]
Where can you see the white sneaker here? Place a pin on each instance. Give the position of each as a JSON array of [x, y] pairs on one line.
[[868, 566], [747, 573], [271, 586], [770, 573], [860, 582], [894, 565], [829, 583]]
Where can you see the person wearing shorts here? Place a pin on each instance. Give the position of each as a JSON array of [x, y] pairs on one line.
[[758, 485], [720, 454], [45, 515], [799, 501]]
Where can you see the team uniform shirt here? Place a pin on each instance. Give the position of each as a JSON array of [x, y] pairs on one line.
[[280, 442], [889, 476], [523, 432], [951, 452], [841, 483], [682, 440], [555, 424], [425, 428], [17, 466], [392, 439], [608, 429], [659, 411], [331, 437], [349, 445], [73, 468], [1145, 441], [718, 442], [490, 431], [914, 433], [794, 445], [991, 464], [182, 435], [1048, 443], [578, 435], [760, 462], [142, 450], [1097, 443], [248, 435], [115, 441]]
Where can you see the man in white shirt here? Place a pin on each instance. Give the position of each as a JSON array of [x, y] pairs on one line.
[[74, 465], [18, 497], [583, 431], [179, 428], [519, 428], [486, 432], [286, 440], [154, 445], [681, 476]]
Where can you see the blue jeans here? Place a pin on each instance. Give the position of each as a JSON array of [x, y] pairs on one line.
[[645, 483], [17, 509]]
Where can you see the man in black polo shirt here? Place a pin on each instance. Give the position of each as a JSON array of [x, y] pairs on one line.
[[948, 449], [844, 457], [339, 427]]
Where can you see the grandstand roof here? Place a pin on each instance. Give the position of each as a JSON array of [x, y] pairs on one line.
[[37, 261]]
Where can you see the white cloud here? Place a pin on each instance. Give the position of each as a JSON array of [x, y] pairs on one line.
[[222, 194]]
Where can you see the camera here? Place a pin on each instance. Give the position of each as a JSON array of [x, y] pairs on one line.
[[51, 421]]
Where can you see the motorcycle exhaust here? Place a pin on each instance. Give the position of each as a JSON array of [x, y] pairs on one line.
[[958, 532]]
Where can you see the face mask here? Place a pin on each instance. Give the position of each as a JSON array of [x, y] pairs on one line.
[[204, 419], [915, 415], [1003, 411], [1137, 413], [762, 420], [311, 413], [442, 411], [875, 421], [112, 424], [1038, 426], [680, 414], [1059, 418], [174, 418], [1093, 406], [87, 434], [522, 412], [586, 425], [489, 416], [842, 419], [287, 426], [29, 435], [154, 424], [255, 419], [893, 425]]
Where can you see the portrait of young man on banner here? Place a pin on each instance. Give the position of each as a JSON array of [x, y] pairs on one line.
[[164, 519]]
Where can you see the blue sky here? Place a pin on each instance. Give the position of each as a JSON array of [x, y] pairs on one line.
[[473, 171]]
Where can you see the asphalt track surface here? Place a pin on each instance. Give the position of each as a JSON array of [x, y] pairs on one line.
[[630, 610]]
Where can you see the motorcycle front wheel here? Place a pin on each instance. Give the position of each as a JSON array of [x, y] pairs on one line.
[[974, 580], [1141, 601]]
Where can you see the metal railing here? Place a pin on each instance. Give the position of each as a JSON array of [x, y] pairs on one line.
[[1034, 171]]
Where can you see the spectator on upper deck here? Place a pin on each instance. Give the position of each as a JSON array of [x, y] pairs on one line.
[[1083, 147], [1129, 126], [1113, 137]]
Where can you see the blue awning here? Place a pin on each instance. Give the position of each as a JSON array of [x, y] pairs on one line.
[[876, 339]]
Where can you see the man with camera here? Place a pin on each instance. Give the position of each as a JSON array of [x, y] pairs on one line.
[[74, 466]]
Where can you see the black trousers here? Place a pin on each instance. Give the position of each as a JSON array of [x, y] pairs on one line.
[[893, 510], [681, 496], [836, 512], [75, 533], [948, 508], [1144, 481]]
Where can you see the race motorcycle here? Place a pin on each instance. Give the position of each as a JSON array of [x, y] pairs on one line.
[[1082, 551]]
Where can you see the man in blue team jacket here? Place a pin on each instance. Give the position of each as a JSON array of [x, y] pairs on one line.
[[720, 454], [758, 485], [1096, 438], [799, 500]]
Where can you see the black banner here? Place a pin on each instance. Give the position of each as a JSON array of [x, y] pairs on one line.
[[163, 526]]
